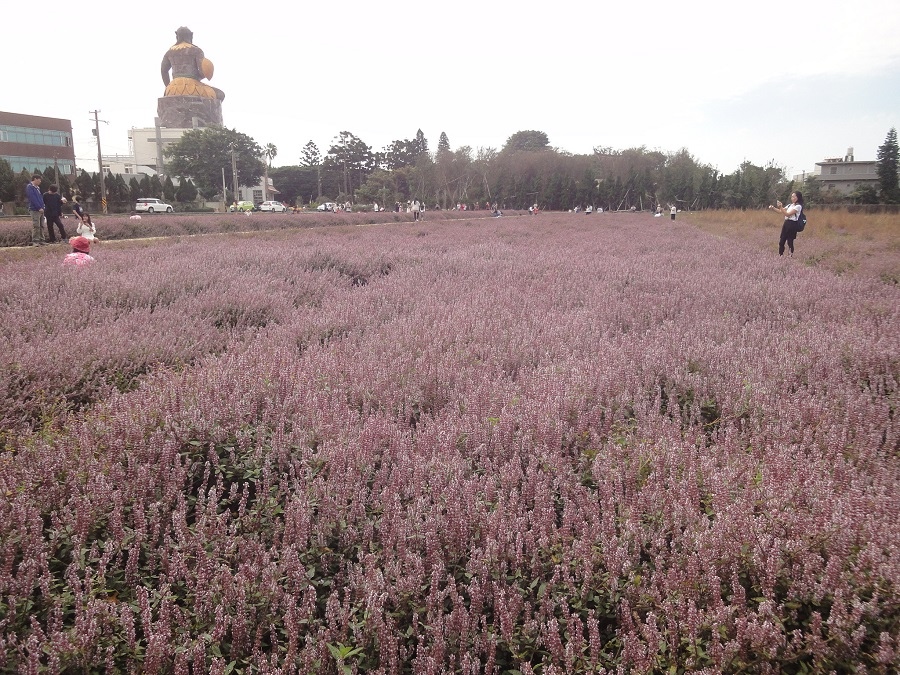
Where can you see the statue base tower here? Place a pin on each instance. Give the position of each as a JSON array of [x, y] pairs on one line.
[[188, 112]]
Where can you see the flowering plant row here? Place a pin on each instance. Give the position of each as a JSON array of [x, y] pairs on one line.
[[512, 446], [17, 231]]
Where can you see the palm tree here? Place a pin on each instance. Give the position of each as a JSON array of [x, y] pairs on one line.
[[269, 153]]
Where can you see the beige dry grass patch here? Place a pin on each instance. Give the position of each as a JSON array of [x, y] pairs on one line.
[[840, 241]]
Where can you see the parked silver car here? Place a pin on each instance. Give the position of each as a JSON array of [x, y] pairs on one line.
[[273, 207], [152, 205]]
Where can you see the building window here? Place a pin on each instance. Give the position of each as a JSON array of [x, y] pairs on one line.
[[833, 170], [29, 164], [257, 196], [11, 134]]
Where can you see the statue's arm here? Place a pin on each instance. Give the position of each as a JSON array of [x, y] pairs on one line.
[[164, 70]]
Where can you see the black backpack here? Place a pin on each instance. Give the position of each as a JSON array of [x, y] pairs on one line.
[[801, 220]]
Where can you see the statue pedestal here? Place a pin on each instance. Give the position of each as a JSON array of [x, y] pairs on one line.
[[179, 111]]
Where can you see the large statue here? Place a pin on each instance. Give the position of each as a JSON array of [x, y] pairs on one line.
[[187, 101]]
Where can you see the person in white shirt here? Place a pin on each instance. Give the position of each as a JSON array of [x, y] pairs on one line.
[[789, 227]]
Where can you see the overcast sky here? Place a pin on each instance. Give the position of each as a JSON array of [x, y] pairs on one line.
[[761, 81]]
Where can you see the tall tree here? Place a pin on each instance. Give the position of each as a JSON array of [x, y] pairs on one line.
[[22, 180], [527, 141], [400, 153], [311, 157], [888, 157], [353, 157], [187, 192], [84, 184], [443, 144], [270, 152], [169, 189], [134, 187], [7, 182], [201, 154], [421, 143], [156, 188]]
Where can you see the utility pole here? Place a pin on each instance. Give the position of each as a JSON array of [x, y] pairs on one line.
[[265, 177], [160, 166], [224, 193], [234, 183], [100, 160]]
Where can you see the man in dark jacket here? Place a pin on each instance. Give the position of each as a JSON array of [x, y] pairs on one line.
[[36, 207], [53, 202]]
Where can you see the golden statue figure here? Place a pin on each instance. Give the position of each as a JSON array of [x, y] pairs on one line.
[[188, 66]]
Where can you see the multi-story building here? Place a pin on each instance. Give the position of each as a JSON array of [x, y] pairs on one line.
[[846, 174], [148, 145], [30, 143]]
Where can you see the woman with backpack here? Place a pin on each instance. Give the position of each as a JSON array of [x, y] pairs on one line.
[[791, 217]]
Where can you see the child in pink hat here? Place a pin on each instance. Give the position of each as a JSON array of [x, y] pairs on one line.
[[80, 255]]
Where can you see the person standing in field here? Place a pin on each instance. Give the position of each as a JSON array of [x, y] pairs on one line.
[[673, 211], [415, 209], [53, 202], [36, 208], [789, 227]]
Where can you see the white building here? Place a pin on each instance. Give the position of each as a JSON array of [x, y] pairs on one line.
[[844, 174], [148, 146]]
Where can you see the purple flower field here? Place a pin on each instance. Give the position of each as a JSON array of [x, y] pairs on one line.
[[17, 231], [559, 444]]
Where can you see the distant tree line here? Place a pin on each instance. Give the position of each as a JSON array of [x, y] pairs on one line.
[[525, 171], [120, 196]]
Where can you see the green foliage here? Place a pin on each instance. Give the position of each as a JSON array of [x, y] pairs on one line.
[[84, 184], [400, 153], [527, 141], [270, 152], [168, 190], [352, 158], [201, 154], [155, 187], [23, 179], [58, 178], [888, 157], [380, 187], [311, 156], [863, 194], [421, 142], [443, 144], [298, 184], [134, 187], [7, 182], [187, 192], [812, 190]]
